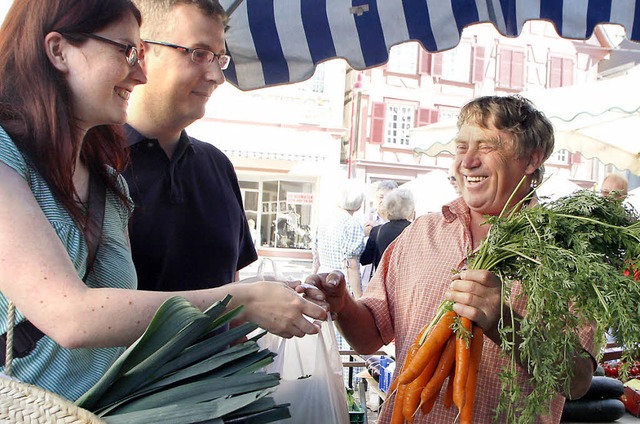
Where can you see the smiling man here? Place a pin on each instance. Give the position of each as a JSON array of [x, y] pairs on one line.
[[500, 141], [189, 229]]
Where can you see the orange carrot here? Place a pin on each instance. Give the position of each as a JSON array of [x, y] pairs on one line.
[[447, 401], [413, 349], [432, 345], [445, 365], [427, 406], [396, 416], [412, 395], [466, 414], [462, 363]]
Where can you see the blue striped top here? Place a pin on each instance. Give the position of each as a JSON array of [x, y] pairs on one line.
[[67, 372]]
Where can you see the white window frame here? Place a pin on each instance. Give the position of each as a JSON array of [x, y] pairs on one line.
[[400, 119]]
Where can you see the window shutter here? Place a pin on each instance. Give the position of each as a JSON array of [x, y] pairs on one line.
[[567, 72], [517, 70], [425, 61], [436, 64], [504, 68], [555, 72], [576, 158], [477, 71], [379, 111], [427, 116]]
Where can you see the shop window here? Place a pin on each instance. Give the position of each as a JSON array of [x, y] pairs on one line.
[[285, 214]]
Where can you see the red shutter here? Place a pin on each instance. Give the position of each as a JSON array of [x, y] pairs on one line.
[[436, 64], [425, 61], [427, 116], [567, 72], [555, 72], [517, 70], [576, 158], [504, 68], [477, 72], [379, 110]]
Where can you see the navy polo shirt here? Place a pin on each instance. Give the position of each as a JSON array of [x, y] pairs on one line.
[[189, 229]]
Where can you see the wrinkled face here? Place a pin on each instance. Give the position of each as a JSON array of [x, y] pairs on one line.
[[99, 76], [488, 170], [179, 88], [380, 195]]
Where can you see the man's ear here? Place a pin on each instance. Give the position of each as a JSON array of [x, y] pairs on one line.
[[55, 45], [535, 161]]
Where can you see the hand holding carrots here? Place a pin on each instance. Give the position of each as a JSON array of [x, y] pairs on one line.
[[450, 347], [476, 295]]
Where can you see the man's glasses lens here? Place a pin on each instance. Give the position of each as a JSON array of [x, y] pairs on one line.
[[223, 61]]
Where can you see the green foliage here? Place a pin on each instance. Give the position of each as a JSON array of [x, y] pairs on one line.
[[182, 370], [569, 257]]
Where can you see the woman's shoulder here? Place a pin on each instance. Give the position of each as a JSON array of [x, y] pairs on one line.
[[11, 155]]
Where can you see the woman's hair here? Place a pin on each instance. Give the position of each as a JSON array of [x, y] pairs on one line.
[[517, 116], [351, 196], [398, 204], [36, 106]]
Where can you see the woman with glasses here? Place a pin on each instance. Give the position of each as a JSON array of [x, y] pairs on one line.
[[67, 68]]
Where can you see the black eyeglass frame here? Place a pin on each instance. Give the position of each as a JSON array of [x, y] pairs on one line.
[[131, 52], [222, 59]]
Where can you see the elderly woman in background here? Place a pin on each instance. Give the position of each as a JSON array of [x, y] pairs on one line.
[[398, 207]]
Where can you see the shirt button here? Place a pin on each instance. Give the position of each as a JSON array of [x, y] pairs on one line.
[[150, 144]]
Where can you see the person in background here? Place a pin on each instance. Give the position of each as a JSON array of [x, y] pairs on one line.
[[68, 271], [188, 229], [500, 140], [340, 238], [375, 218], [398, 208], [382, 189], [615, 185], [452, 179]]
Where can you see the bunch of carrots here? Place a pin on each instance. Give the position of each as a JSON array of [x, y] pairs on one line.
[[450, 347]]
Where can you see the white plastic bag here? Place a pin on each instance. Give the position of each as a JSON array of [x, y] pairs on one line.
[[263, 273], [311, 377]]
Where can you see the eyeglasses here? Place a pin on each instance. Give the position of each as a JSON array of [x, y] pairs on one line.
[[130, 52], [452, 179], [201, 56]]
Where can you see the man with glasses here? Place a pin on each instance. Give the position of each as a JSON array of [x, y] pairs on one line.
[[188, 229]]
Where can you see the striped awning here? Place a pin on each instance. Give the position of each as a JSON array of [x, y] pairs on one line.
[[281, 41]]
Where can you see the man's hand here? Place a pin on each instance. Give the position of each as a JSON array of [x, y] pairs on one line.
[[328, 288], [476, 294]]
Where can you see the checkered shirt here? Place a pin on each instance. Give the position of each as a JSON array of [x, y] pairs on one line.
[[409, 285]]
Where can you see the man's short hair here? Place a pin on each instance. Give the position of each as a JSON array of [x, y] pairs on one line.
[[155, 13], [387, 185], [531, 129]]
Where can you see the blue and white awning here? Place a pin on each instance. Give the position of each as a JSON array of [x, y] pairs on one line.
[[281, 41]]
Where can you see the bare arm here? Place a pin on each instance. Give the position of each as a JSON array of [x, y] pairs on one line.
[[37, 274], [353, 276], [476, 294]]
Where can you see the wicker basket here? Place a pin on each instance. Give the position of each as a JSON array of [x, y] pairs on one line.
[[25, 403]]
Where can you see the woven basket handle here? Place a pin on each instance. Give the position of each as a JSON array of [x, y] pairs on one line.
[[11, 312]]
